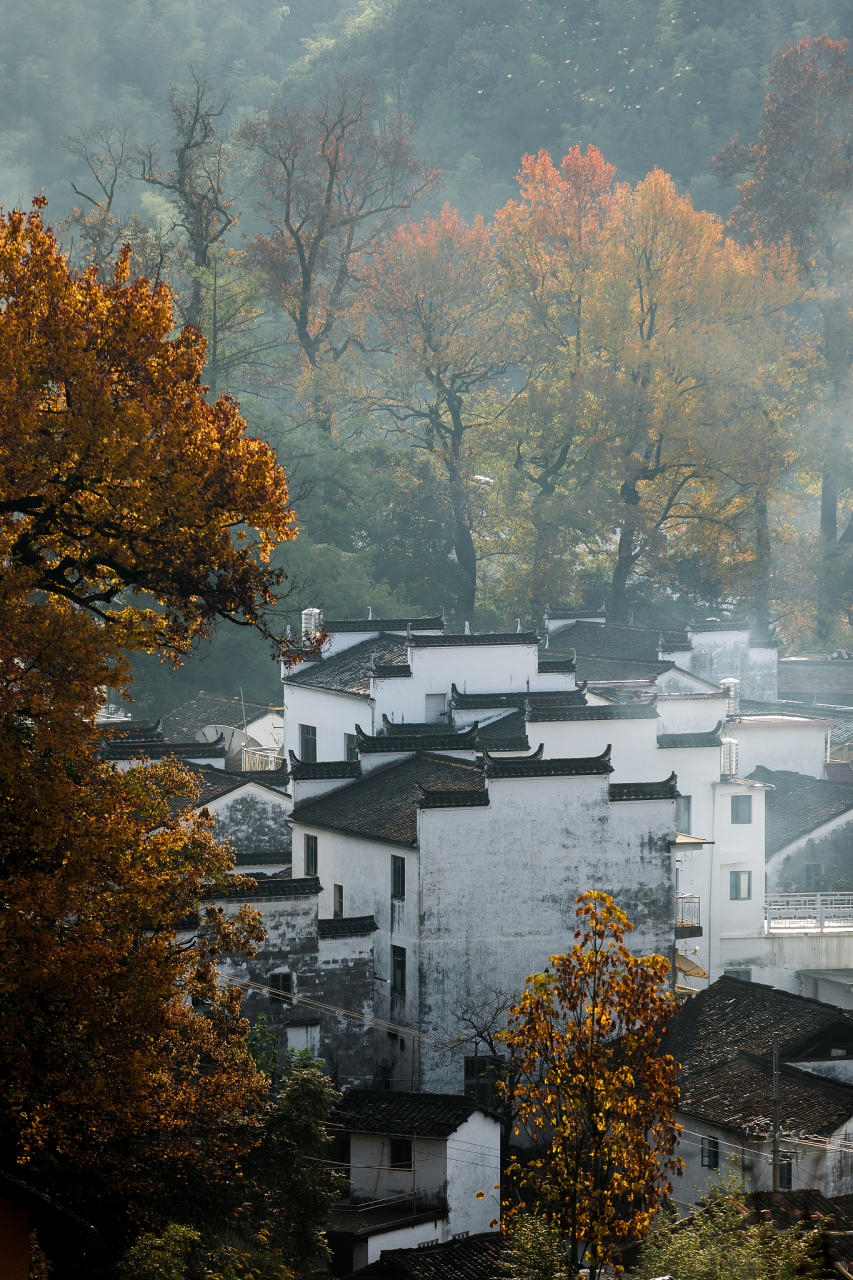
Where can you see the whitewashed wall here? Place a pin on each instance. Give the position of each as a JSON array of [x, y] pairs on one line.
[[332, 714], [780, 742], [498, 888], [474, 1166]]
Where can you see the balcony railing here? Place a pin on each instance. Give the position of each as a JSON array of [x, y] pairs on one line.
[[799, 911], [687, 909]]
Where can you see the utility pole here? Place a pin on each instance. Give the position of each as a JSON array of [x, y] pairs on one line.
[[776, 1113]]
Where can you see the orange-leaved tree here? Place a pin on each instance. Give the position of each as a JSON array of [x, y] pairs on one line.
[[664, 348], [133, 515], [595, 1092], [437, 304]]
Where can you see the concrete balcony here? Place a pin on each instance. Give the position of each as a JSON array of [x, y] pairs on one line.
[[688, 923], [808, 912]]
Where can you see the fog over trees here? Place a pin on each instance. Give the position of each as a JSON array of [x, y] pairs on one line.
[[618, 379]]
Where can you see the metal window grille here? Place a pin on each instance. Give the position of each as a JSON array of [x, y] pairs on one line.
[[310, 855]]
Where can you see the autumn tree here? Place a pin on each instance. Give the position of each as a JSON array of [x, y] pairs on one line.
[[596, 1093], [133, 515], [657, 335], [799, 191], [332, 187], [437, 306]]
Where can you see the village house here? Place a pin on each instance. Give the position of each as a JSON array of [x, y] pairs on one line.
[[723, 1038], [424, 1169]]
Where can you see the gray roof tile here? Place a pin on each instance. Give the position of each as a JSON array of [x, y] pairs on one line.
[[798, 804], [350, 670], [428, 1115]]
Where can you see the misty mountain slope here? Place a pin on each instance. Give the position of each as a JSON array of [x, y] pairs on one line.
[[650, 82], [65, 65]]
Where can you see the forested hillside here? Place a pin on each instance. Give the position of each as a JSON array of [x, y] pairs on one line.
[[651, 413]]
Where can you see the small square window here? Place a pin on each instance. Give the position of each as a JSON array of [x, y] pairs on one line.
[[710, 1153], [398, 876], [741, 810], [308, 743], [350, 746], [740, 886], [401, 1153], [742, 975], [398, 970], [310, 855], [683, 807], [339, 902], [281, 987]]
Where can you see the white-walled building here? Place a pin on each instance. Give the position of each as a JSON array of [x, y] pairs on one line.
[[424, 1169]]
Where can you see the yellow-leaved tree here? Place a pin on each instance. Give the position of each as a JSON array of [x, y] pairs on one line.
[[594, 1090]]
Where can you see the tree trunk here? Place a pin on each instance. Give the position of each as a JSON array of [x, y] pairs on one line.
[[463, 545], [765, 567], [625, 558]]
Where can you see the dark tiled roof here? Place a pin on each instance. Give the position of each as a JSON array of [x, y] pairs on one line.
[[446, 739], [558, 613], [536, 767], [346, 927], [276, 887], [711, 739], [506, 734], [595, 670], [384, 624], [410, 727], [636, 644], [666, 790], [730, 1014], [458, 641], [619, 711], [131, 729], [302, 771], [495, 701], [430, 1115], [118, 749], [838, 771], [474, 1258], [383, 805], [391, 670], [799, 804], [739, 1091], [349, 671], [216, 783], [625, 691], [452, 799], [549, 665], [182, 724]]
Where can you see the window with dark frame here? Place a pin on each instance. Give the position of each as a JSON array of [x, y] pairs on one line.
[[281, 987], [339, 902], [398, 970], [401, 1153], [786, 1175], [683, 812], [310, 855], [741, 810], [740, 886], [398, 876], [308, 743], [482, 1073], [350, 746], [710, 1153], [814, 876]]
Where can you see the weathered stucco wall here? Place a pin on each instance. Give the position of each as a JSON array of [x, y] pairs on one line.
[[828, 854], [255, 820], [498, 889]]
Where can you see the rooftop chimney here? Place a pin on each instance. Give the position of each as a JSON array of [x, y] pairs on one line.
[[731, 688], [312, 621]]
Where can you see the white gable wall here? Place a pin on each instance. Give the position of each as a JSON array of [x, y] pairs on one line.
[[332, 714], [635, 756], [780, 742], [474, 1166]]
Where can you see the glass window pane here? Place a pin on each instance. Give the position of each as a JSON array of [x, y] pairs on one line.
[[310, 855], [683, 823], [398, 876], [308, 743], [350, 748]]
